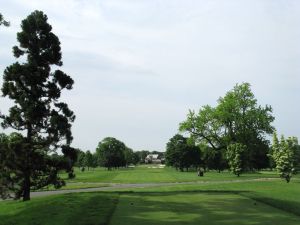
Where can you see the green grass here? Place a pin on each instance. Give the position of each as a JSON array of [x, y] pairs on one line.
[[196, 208], [143, 174], [252, 202], [75, 209], [100, 177], [278, 194], [245, 202]]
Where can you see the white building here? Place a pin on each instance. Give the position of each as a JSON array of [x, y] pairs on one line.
[[153, 158]]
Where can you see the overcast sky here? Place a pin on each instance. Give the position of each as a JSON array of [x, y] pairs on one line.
[[139, 65]]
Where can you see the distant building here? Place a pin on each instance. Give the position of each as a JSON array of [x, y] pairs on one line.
[[154, 158]]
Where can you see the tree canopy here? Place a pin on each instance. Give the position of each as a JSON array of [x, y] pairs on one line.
[[111, 153], [35, 90], [181, 154], [236, 119]]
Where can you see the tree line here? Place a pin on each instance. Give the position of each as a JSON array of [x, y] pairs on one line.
[[111, 153], [233, 135]]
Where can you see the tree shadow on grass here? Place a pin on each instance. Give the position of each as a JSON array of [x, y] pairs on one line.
[[288, 206], [191, 208], [145, 208]]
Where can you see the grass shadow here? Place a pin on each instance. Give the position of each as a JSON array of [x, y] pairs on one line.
[[285, 205], [196, 208], [211, 207]]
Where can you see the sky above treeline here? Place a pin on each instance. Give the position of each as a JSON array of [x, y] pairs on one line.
[[140, 65]]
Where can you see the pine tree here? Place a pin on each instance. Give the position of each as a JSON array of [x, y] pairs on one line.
[[37, 112]]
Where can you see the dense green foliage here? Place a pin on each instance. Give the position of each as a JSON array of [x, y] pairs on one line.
[[6, 182], [37, 111], [80, 158], [12, 164], [86, 159], [131, 158], [142, 155], [90, 160], [212, 158], [111, 153], [70, 155], [236, 119], [181, 154]]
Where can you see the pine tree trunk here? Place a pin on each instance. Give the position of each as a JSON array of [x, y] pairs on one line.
[[26, 187]]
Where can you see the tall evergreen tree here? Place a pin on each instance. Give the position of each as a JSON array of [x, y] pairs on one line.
[[35, 90]]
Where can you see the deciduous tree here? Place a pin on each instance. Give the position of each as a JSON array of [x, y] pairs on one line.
[[110, 153], [88, 159], [129, 156], [80, 159], [182, 154], [236, 119], [212, 159], [293, 144], [136, 158]]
